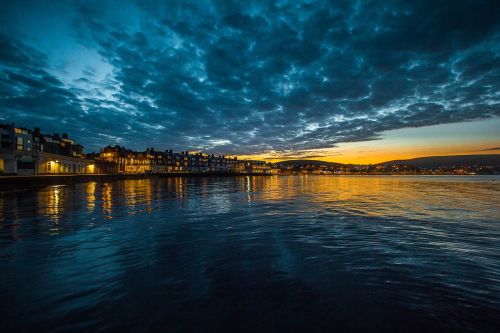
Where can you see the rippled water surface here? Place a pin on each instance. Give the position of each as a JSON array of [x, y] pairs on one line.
[[257, 254]]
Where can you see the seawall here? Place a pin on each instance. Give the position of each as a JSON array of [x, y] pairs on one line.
[[14, 182]]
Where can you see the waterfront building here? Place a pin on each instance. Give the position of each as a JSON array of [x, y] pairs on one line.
[[255, 167], [273, 171], [117, 155], [59, 145], [164, 162], [48, 163], [57, 154], [29, 152], [181, 161], [7, 147], [150, 161], [101, 166], [222, 164], [157, 161], [321, 172], [198, 163], [138, 162], [24, 152]]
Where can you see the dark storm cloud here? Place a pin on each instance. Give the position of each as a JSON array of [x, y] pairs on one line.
[[26, 89], [258, 76], [32, 96]]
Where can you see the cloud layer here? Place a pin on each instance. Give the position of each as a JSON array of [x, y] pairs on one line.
[[252, 77]]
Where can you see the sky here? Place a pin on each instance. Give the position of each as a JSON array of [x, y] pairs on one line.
[[347, 81]]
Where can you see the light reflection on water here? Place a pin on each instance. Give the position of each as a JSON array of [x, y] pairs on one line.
[[259, 253]]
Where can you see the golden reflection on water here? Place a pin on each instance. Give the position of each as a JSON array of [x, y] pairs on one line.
[[51, 203], [436, 197], [138, 193], [90, 190], [387, 195], [107, 200], [381, 196], [180, 187], [148, 196], [257, 228], [130, 197], [248, 189]]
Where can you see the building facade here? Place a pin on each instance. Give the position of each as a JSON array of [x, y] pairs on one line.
[[29, 152], [116, 155], [24, 152], [48, 163], [7, 147]]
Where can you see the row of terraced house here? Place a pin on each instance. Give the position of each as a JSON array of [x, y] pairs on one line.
[[123, 160], [29, 152]]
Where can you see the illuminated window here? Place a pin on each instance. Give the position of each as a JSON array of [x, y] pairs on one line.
[[19, 144]]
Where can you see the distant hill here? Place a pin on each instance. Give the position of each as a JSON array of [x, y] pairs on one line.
[[449, 161], [303, 163], [421, 162]]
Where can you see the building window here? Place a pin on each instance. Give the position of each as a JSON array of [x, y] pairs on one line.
[[19, 144]]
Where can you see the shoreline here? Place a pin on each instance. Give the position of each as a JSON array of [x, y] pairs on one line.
[[14, 182]]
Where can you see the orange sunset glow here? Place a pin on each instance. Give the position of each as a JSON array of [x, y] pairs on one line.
[[468, 138]]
